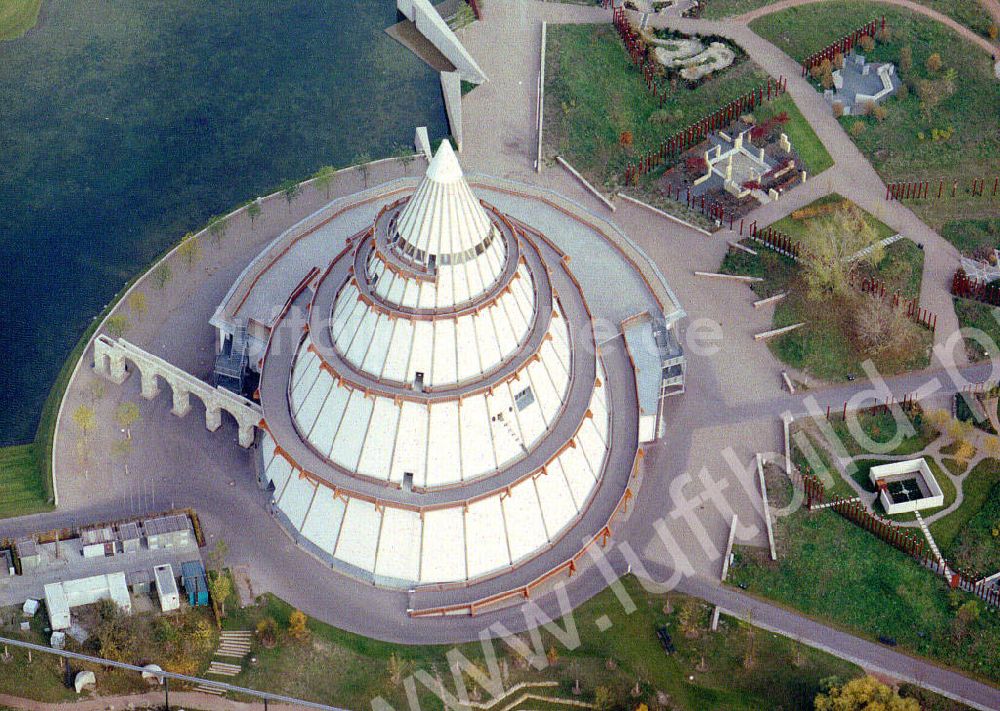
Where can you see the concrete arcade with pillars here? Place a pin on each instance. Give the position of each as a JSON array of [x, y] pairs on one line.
[[110, 362]]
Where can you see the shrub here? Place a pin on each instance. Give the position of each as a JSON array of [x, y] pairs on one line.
[[696, 165], [884, 34], [867, 43], [906, 58], [838, 109], [660, 117], [993, 31], [838, 60], [903, 92], [880, 113], [934, 63], [857, 128], [868, 108]]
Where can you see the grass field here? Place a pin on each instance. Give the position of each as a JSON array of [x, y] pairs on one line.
[[824, 347], [973, 314], [969, 13], [968, 236], [967, 534], [786, 673], [22, 490], [593, 94], [814, 155], [835, 571], [17, 17], [894, 146]]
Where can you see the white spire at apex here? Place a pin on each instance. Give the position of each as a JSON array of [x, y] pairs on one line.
[[444, 167]]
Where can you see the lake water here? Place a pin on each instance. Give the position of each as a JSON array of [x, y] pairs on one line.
[[126, 123]]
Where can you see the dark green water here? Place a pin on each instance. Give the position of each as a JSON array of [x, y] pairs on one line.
[[126, 123]]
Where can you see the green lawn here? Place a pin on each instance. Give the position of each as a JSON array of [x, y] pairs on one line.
[[814, 155], [976, 546], [22, 490], [974, 314], [824, 347], [798, 229], [967, 12], [17, 17], [594, 94], [894, 146], [962, 531], [785, 673], [835, 571], [970, 236]]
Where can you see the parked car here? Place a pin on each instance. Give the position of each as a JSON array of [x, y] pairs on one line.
[[664, 637]]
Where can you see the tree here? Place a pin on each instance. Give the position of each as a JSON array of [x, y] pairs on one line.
[[864, 694], [297, 625], [966, 616], [97, 388], [934, 63], [687, 619], [362, 160], [189, 249], [120, 449], [879, 328], [161, 276], [397, 668], [253, 211], [267, 632], [127, 414], [290, 190], [552, 656], [115, 637], [217, 227], [323, 178], [137, 303], [602, 698], [220, 585], [85, 419], [830, 246], [906, 58], [217, 558], [117, 325]]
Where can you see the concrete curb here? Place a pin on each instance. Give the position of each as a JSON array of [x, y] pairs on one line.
[[594, 191], [661, 213]]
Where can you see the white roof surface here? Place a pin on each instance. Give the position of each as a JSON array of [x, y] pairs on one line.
[[443, 217], [401, 546], [378, 437]]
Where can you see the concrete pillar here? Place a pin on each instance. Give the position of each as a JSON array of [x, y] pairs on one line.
[[213, 417], [182, 400], [150, 387], [246, 435], [118, 372]]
